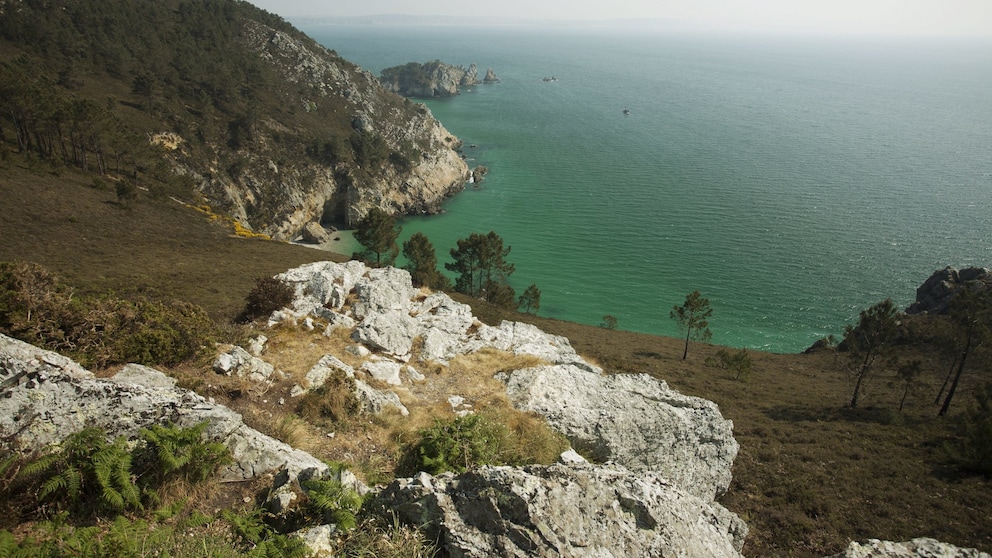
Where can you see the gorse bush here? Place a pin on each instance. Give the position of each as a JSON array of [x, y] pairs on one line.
[[268, 295], [98, 331], [972, 452]]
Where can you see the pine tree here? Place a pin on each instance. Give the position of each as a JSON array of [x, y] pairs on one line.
[[692, 318], [422, 263], [377, 232]]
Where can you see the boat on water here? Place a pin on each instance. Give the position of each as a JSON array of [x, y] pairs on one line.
[[626, 111]]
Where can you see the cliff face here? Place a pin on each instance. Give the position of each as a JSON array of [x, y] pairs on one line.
[[405, 161], [432, 79], [260, 121]]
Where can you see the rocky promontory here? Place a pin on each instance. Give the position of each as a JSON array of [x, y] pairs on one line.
[[432, 79]]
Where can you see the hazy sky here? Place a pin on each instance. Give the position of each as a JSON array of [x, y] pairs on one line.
[[929, 17]]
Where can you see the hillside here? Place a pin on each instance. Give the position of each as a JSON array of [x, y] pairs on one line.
[[810, 476], [219, 103]]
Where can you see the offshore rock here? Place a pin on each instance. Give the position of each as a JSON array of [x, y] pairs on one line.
[[574, 509], [935, 294], [916, 548], [432, 79], [634, 420]]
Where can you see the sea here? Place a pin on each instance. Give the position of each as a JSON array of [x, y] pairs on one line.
[[792, 180]]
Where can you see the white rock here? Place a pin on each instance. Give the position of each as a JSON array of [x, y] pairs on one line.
[[634, 420], [916, 548], [384, 371]]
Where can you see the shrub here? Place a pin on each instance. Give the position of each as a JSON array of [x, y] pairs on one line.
[[609, 322], [334, 401], [972, 452], [268, 295], [37, 308], [455, 445], [739, 363]]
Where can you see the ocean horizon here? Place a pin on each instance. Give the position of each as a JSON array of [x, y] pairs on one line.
[[793, 181]]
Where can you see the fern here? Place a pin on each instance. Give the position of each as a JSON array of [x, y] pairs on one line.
[[173, 452], [331, 501], [88, 468]]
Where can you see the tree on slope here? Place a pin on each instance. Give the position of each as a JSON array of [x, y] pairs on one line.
[[480, 261], [422, 263], [869, 344], [970, 314], [530, 300], [377, 232], [692, 318]]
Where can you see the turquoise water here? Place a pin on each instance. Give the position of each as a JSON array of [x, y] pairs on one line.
[[792, 181]]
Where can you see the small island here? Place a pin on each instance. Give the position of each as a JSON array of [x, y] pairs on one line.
[[432, 79]]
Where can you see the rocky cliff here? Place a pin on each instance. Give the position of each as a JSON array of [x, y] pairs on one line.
[[258, 120], [935, 294], [432, 79], [405, 161]]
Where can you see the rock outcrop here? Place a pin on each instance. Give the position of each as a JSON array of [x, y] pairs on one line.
[[45, 397], [432, 79], [634, 420], [916, 548], [566, 509], [935, 294]]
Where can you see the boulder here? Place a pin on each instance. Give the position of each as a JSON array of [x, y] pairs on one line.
[[53, 397], [574, 509], [241, 362], [916, 548], [385, 371], [634, 420], [376, 401], [314, 233]]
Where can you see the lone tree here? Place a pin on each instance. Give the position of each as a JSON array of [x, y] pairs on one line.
[[422, 263], [530, 300], [869, 344], [692, 318], [480, 261], [970, 314], [377, 233]]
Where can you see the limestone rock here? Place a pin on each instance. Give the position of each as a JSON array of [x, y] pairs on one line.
[[54, 397], [916, 548], [634, 420], [319, 540], [575, 509], [375, 401], [314, 233], [490, 77], [385, 371], [143, 376], [239, 361]]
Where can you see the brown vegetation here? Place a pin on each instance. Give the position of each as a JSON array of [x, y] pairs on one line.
[[811, 473]]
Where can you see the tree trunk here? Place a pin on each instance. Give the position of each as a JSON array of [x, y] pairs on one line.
[[947, 378], [685, 353], [957, 377]]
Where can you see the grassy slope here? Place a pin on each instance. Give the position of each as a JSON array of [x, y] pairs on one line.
[[810, 475]]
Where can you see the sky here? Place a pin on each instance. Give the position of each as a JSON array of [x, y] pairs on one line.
[[863, 17]]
